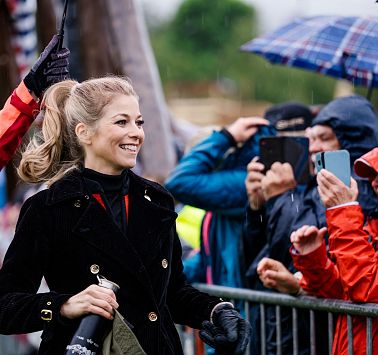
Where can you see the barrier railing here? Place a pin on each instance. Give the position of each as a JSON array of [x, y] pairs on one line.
[[331, 306]]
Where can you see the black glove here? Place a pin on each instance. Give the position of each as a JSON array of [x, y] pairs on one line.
[[228, 332], [51, 67]]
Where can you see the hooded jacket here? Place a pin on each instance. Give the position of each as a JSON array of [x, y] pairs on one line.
[[351, 271], [355, 125]]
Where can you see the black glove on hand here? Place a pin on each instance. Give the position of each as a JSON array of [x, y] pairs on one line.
[[51, 67], [228, 332]]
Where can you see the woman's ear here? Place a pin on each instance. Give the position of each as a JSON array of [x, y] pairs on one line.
[[83, 133]]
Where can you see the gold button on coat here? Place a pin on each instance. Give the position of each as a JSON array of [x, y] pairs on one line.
[[152, 316], [77, 203], [95, 269], [164, 263]]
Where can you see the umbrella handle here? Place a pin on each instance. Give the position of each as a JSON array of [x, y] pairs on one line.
[[61, 29]]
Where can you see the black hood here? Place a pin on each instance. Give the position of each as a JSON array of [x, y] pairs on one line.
[[354, 122]]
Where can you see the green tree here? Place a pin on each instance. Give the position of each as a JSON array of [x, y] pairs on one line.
[[202, 41]]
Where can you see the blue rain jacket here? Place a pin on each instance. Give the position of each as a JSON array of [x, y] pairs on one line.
[[211, 177]]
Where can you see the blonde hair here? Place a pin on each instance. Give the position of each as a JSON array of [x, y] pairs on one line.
[[56, 150]]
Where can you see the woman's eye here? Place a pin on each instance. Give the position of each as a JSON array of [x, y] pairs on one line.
[[140, 123], [121, 122]]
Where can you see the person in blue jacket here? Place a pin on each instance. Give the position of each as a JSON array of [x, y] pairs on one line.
[[211, 177], [278, 206]]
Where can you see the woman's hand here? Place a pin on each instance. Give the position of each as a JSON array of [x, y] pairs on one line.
[[307, 239], [253, 184], [94, 299], [333, 191], [273, 274]]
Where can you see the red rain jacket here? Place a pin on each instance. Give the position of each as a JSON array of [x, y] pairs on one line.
[[16, 117], [352, 276]]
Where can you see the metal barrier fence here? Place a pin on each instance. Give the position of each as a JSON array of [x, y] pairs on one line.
[[331, 306]]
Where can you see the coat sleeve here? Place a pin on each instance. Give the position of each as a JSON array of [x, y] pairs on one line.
[[16, 117], [21, 309], [197, 182], [187, 305], [355, 256], [320, 275]]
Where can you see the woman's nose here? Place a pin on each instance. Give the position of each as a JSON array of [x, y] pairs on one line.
[[136, 131]]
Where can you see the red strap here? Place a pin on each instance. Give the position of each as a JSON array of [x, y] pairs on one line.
[[206, 244], [29, 110], [127, 208], [205, 232]]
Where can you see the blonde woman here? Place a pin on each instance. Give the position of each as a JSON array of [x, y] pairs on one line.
[[98, 217]]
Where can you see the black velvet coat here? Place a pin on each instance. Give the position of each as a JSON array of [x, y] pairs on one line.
[[62, 232]]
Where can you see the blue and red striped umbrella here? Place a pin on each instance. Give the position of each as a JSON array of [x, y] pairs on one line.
[[342, 47]]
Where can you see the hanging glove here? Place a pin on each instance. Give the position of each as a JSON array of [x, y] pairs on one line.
[[51, 67], [227, 331]]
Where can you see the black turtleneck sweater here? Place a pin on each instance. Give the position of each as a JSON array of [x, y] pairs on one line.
[[112, 189]]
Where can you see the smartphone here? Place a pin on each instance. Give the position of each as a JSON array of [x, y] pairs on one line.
[[337, 162], [292, 150]]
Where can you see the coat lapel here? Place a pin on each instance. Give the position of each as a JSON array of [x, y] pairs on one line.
[[96, 228], [149, 226]]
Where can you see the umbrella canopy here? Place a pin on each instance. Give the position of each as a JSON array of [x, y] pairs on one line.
[[342, 47]]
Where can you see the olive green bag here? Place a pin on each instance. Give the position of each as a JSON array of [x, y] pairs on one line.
[[121, 340]]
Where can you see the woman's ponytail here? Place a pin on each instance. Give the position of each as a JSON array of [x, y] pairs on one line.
[[46, 159]]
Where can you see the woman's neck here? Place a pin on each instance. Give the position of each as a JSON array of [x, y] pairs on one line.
[[107, 182]]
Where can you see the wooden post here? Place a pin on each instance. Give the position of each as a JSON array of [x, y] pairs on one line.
[[94, 38], [134, 57], [46, 22]]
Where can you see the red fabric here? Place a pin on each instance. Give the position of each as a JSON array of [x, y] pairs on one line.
[[367, 165], [15, 119], [127, 208], [353, 276], [99, 199], [101, 202], [320, 276]]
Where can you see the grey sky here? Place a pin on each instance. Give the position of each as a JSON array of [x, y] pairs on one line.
[[274, 13]]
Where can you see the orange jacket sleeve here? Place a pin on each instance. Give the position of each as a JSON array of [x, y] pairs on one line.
[[320, 274], [356, 259], [16, 117]]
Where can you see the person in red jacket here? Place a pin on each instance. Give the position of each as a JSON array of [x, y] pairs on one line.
[[350, 271], [22, 106]]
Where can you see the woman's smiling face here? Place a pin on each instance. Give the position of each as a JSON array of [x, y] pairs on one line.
[[114, 143]]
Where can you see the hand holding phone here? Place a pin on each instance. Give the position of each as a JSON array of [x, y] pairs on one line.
[[333, 192], [292, 150], [337, 162]]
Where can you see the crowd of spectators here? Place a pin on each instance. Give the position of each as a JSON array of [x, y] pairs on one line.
[[271, 233]]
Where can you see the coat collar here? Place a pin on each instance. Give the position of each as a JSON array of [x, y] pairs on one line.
[[72, 186]]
